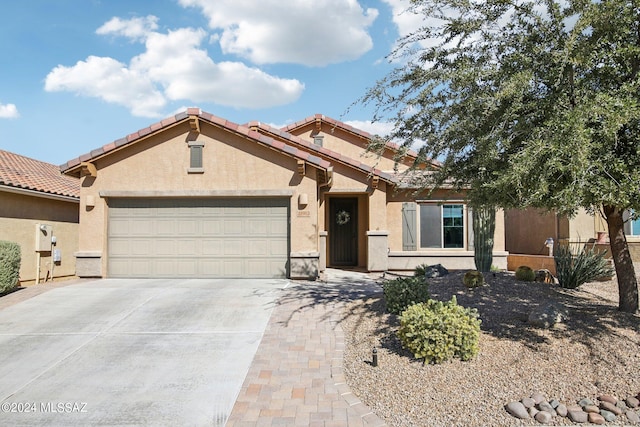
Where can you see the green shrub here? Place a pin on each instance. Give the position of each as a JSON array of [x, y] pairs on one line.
[[438, 331], [525, 273], [574, 270], [9, 265], [473, 279], [402, 292]]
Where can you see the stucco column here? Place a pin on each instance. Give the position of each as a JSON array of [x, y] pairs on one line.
[[322, 248], [377, 250]]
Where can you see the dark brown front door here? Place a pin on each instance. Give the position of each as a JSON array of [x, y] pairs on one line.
[[343, 231]]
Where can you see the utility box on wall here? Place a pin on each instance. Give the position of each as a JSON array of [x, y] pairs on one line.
[[44, 232]]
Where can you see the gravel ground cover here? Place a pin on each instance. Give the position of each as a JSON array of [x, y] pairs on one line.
[[594, 351]]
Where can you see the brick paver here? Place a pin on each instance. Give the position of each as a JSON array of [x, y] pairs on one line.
[[296, 378]]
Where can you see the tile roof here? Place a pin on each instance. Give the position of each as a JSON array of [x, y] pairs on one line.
[[23, 172], [323, 151], [341, 125], [184, 116]]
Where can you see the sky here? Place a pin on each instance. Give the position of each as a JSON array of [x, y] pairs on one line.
[[78, 74]]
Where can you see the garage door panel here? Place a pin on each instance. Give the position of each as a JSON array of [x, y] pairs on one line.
[[212, 247], [198, 237]]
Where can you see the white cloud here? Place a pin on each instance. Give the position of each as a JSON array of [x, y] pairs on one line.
[[9, 111], [406, 21], [111, 81], [135, 28], [298, 31], [173, 67], [377, 128]]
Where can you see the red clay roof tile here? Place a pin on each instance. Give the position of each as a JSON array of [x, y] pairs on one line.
[[228, 125], [30, 174]]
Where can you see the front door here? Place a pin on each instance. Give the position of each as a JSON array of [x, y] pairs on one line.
[[343, 231]]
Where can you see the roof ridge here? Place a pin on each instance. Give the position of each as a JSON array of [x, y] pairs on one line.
[[323, 150], [345, 126], [171, 120]]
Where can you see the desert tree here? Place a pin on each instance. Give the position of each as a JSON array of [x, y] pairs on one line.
[[526, 103]]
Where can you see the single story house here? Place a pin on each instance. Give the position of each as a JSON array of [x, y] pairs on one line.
[[195, 195], [39, 211]]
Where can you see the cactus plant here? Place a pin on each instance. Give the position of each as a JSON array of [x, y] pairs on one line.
[[525, 273], [484, 226], [473, 279]]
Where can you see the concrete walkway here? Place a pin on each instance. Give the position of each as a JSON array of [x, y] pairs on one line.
[[296, 377]]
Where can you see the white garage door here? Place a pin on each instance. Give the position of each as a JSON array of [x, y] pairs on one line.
[[195, 238]]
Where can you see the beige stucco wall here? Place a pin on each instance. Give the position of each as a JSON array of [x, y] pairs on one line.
[[233, 166], [19, 216]]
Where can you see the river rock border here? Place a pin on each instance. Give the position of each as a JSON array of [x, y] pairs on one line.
[[605, 408]]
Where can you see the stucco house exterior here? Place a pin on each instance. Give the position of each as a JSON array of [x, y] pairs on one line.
[[37, 205], [526, 231], [198, 196]]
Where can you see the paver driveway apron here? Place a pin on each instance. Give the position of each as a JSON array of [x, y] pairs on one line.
[[131, 352]]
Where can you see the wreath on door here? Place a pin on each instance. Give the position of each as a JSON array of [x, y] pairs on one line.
[[342, 217]]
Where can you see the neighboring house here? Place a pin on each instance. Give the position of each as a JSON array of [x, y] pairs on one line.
[[527, 230], [35, 194], [198, 196]]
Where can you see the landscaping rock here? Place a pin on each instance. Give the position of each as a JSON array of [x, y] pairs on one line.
[[632, 402], [562, 410], [608, 406], [591, 409], [608, 398], [578, 416], [554, 403], [609, 416], [433, 271], [546, 407], [546, 316], [633, 417], [532, 411], [596, 419], [518, 410], [528, 402], [543, 417], [585, 401], [538, 397]]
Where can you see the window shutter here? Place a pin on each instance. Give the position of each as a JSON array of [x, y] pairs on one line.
[[409, 226], [469, 225]]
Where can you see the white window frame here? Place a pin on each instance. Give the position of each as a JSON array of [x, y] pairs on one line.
[[628, 225], [441, 204]]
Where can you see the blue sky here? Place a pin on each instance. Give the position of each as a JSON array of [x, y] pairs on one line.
[[78, 74]]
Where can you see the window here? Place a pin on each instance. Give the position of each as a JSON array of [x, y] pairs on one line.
[[631, 225], [195, 157], [441, 226]]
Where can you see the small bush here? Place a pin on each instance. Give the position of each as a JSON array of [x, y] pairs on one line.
[[402, 292], [438, 331], [473, 279], [525, 273], [10, 258], [574, 270]]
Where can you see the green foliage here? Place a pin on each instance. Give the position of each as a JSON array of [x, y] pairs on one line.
[[524, 104], [420, 270], [402, 292], [574, 270], [525, 273], [438, 331], [473, 279], [484, 226], [10, 258]]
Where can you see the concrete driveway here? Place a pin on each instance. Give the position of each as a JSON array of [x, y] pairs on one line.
[[131, 352]]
